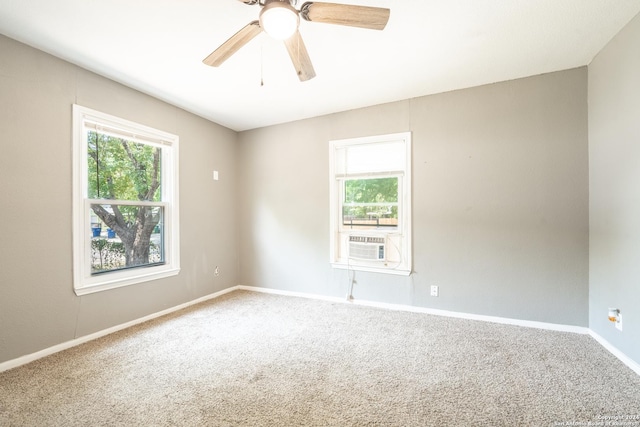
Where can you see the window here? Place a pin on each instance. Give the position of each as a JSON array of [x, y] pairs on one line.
[[371, 203], [125, 213]]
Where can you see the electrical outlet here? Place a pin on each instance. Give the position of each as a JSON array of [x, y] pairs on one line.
[[216, 272], [616, 317], [619, 322], [434, 290]]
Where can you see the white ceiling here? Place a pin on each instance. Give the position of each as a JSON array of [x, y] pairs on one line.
[[428, 46]]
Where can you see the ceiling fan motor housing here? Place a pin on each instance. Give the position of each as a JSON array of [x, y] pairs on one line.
[[264, 2], [279, 19]]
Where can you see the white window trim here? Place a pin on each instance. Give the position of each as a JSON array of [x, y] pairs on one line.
[[83, 281], [404, 230]]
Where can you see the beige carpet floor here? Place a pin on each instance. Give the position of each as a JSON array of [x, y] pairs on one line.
[[252, 359]]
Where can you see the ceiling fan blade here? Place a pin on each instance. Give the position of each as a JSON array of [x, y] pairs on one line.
[[374, 18], [231, 46], [300, 57]]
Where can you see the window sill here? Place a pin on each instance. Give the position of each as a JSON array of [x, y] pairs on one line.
[[120, 282]]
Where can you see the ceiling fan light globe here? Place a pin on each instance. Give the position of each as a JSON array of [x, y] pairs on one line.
[[279, 19]]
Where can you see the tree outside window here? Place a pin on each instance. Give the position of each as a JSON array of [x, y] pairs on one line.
[[124, 170], [370, 202]]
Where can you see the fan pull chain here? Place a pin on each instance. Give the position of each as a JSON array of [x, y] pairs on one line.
[[298, 46], [262, 63]]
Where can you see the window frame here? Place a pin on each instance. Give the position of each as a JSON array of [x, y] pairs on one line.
[[398, 238], [84, 282]]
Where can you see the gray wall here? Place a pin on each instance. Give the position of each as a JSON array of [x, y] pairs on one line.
[[38, 308], [614, 163], [500, 215], [500, 201]]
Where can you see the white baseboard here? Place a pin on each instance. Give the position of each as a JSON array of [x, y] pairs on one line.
[[23, 360], [290, 293], [414, 309], [14, 363], [617, 353]]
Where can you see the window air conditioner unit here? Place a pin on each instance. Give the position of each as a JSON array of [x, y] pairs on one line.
[[367, 248]]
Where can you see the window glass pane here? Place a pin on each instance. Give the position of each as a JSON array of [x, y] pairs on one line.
[[370, 202], [122, 169], [125, 236]]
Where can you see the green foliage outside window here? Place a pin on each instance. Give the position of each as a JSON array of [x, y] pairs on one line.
[[371, 202], [121, 169]]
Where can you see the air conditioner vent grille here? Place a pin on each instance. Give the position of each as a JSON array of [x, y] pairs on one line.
[[367, 248], [366, 239]]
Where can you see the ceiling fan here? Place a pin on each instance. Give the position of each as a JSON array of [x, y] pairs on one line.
[[280, 19]]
